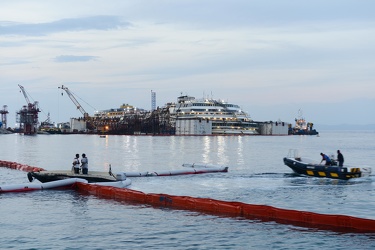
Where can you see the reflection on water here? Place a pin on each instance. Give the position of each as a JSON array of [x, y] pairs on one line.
[[207, 148], [303, 180], [256, 175]]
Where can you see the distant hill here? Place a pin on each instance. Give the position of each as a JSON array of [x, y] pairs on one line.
[[319, 127]]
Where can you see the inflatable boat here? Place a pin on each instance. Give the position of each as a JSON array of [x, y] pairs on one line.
[[304, 166]]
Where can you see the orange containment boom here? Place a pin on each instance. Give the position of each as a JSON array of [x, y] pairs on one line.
[[235, 209], [334, 222], [18, 166]]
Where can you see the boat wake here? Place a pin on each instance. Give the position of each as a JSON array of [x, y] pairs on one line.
[[268, 175], [295, 179]]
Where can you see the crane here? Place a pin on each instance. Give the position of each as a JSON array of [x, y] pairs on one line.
[[24, 94], [76, 103]]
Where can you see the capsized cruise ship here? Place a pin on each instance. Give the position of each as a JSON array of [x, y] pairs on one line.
[[209, 116], [187, 116]]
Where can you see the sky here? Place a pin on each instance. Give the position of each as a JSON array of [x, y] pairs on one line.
[[271, 57]]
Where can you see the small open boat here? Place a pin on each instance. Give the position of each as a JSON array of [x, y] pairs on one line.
[[91, 177], [308, 167]]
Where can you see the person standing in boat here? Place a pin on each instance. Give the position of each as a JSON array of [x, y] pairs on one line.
[[340, 158], [84, 164], [326, 159], [76, 164]]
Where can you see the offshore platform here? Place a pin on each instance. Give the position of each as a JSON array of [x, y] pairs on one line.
[[27, 116], [4, 112]]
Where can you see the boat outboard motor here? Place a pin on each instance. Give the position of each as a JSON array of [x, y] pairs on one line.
[[121, 176], [30, 177]]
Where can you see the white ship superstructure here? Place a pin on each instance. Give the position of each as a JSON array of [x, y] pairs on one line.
[[124, 109], [210, 116]]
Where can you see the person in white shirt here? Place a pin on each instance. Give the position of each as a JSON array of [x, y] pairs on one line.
[[84, 164], [76, 164]]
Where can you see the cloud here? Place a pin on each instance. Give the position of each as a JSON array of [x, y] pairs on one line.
[[271, 59], [63, 25], [71, 58], [218, 14]]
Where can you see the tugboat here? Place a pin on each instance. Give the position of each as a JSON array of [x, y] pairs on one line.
[[48, 127], [302, 127]]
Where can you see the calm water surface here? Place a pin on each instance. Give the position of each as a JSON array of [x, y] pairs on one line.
[[55, 219]]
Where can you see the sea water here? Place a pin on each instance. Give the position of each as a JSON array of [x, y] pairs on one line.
[[65, 219]]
